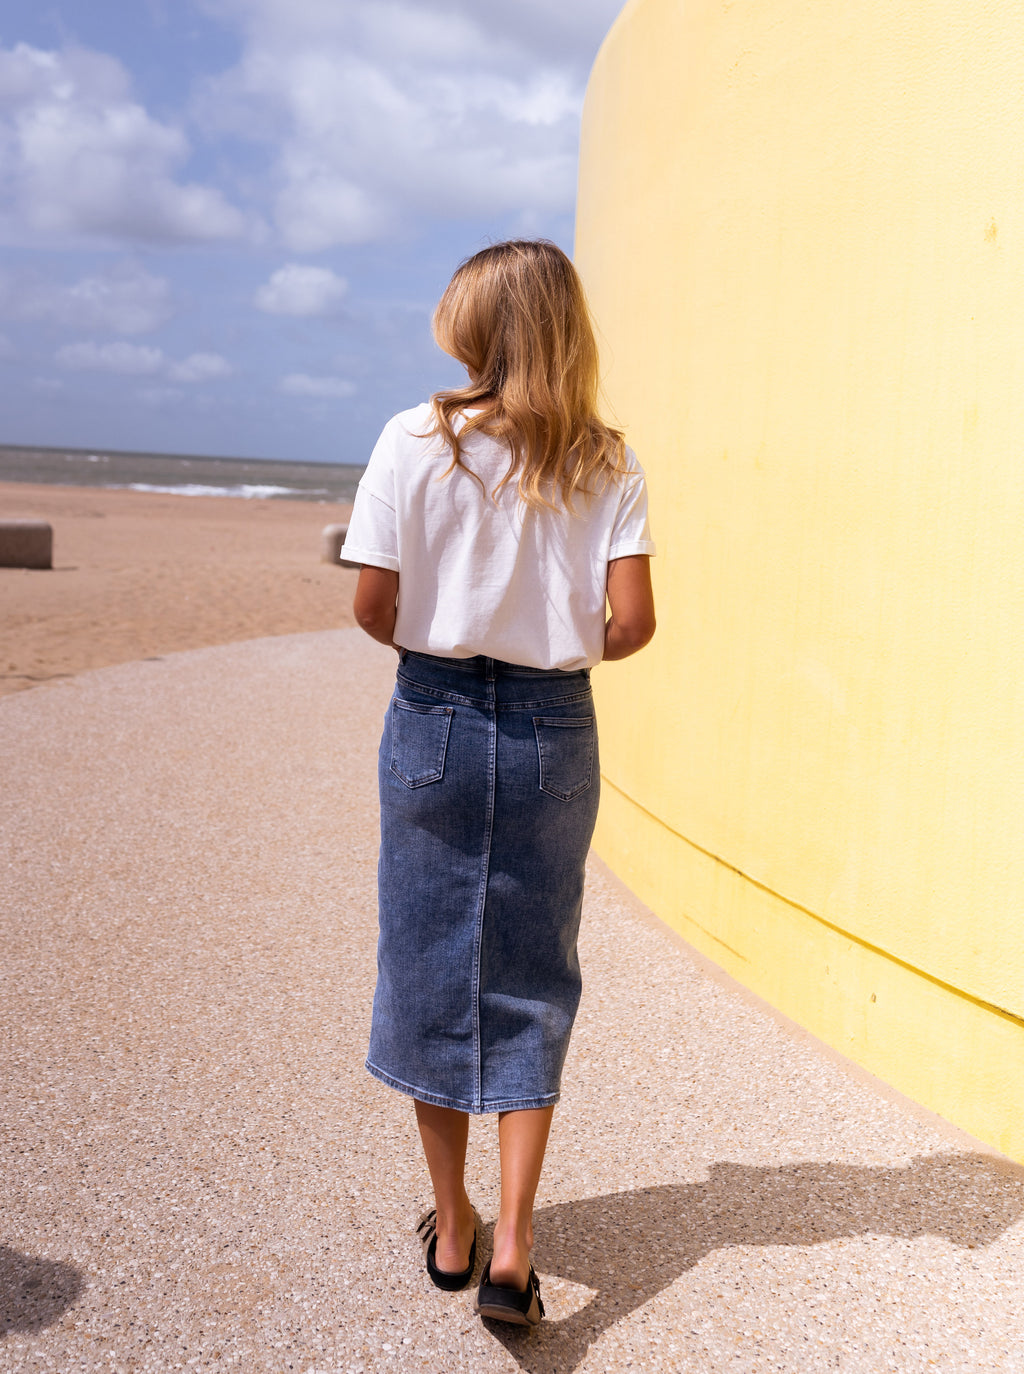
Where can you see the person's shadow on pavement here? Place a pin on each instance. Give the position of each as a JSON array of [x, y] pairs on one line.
[[34, 1292], [629, 1246]]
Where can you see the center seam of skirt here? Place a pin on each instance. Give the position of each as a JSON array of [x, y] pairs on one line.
[[484, 877]]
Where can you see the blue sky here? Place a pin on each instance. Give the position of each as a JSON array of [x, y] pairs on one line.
[[224, 223]]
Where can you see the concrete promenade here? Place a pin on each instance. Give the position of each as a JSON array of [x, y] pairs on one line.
[[197, 1172]]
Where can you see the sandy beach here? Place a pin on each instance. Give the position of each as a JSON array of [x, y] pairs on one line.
[[137, 575]]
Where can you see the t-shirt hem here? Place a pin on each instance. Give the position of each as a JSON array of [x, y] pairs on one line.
[[501, 653], [629, 547], [352, 553]]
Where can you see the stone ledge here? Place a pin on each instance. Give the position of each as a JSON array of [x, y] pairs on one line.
[[26, 544], [331, 540]]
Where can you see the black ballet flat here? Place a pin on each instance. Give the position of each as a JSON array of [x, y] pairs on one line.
[[522, 1308], [426, 1229]]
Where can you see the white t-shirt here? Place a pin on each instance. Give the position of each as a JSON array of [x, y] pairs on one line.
[[479, 575]]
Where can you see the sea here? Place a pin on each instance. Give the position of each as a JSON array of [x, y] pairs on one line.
[[180, 474]]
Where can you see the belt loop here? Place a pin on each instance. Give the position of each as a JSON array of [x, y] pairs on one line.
[[489, 669]]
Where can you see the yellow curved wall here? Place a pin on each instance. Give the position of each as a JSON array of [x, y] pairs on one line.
[[801, 228]]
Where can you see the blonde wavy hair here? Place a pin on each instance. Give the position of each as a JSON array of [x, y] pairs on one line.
[[516, 317]]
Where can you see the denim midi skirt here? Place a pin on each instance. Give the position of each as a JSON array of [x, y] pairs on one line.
[[489, 786]]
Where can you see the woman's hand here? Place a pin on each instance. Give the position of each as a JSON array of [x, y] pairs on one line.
[[375, 604], [631, 599]]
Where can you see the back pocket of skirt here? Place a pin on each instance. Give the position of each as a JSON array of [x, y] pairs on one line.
[[419, 742], [565, 748]]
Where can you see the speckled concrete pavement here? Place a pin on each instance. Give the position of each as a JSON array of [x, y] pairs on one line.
[[199, 1174]]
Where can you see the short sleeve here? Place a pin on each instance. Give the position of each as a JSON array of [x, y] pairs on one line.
[[631, 532], [372, 537]]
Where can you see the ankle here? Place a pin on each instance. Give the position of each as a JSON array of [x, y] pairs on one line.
[[455, 1222], [455, 1229], [510, 1257], [455, 1219]]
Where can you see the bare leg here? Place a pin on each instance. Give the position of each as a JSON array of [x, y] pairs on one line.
[[445, 1133], [522, 1140]]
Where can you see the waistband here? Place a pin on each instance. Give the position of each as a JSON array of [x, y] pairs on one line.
[[489, 669]]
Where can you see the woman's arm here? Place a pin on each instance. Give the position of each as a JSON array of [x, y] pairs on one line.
[[631, 599], [375, 604]]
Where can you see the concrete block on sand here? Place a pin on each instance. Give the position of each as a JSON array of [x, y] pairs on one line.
[[26, 544], [331, 540]]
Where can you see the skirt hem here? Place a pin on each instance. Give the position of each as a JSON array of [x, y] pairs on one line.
[[522, 1104]]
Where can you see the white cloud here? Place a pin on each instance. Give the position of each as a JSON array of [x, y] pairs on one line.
[[80, 157], [570, 31], [380, 115], [431, 30], [159, 395], [334, 388], [125, 299], [133, 360], [200, 367], [136, 360], [301, 290]]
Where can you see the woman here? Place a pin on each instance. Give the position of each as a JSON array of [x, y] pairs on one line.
[[491, 526]]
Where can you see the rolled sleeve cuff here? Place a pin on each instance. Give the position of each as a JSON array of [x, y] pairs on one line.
[[353, 553], [628, 548]]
